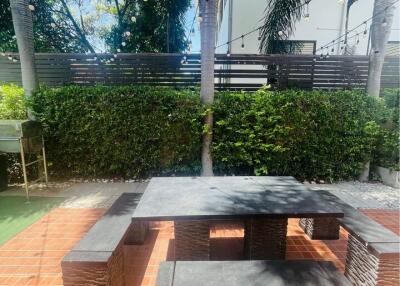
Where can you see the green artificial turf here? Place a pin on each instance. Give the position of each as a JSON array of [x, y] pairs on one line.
[[16, 214]]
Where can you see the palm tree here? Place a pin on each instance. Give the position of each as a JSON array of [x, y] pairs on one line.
[[208, 17], [380, 32], [23, 26], [279, 24]]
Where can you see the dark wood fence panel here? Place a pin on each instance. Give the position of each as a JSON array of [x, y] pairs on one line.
[[234, 72]]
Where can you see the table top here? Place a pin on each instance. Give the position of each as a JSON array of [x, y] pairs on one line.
[[191, 198]]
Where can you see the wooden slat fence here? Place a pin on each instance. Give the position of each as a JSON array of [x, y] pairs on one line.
[[235, 72]]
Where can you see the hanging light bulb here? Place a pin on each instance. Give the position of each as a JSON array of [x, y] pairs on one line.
[[118, 50], [228, 53], [127, 33], [192, 31], [3, 54], [307, 15], [123, 44], [9, 58], [332, 50], [259, 34], [365, 29], [242, 46], [327, 55], [115, 55], [53, 25], [31, 8], [280, 33], [133, 19], [200, 18], [14, 60], [384, 22]]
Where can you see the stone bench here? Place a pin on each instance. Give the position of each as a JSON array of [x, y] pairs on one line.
[[98, 257], [373, 251], [250, 273]]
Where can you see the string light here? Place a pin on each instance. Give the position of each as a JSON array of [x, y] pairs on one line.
[[3, 54], [280, 33], [123, 44], [10, 58], [365, 32], [118, 50], [31, 7], [127, 33], [133, 19], [242, 46], [307, 15], [14, 60], [384, 22], [53, 25]]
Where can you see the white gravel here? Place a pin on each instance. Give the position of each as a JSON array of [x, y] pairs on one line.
[[363, 195]]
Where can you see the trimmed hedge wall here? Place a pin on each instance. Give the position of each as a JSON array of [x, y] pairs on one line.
[[136, 132]]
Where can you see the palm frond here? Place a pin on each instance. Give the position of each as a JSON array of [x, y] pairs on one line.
[[280, 15]]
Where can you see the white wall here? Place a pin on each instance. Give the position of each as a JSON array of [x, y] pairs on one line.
[[324, 25]]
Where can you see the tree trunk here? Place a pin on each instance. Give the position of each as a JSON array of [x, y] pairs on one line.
[[23, 27], [379, 36], [208, 11]]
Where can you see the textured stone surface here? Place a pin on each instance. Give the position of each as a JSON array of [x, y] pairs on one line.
[[265, 238], [320, 228], [193, 198], [254, 273], [192, 240], [364, 268]]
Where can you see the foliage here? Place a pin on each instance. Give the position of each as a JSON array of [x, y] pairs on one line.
[[143, 131], [279, 24], [121, 131], [89, 26], [306, 134], [12, 103], [53, 30], [388, 144], [156, 22]]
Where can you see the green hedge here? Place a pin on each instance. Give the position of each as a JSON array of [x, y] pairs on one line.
[[142, 131], [388, 145], [12, 103], [121, 131]]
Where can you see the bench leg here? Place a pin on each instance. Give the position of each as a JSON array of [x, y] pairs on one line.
[[192, 240], [137, 232], [320, 228], [110, 273], [366, 269], [265, 238]]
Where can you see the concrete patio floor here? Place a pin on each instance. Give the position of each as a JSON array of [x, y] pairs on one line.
[[33, 256]]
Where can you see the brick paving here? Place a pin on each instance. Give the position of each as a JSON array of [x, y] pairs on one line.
[[33, 256]]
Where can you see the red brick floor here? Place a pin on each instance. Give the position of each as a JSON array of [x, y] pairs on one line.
[[33, 256]]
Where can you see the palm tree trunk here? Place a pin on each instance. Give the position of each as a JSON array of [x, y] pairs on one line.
[[379, 36], [23, 27], [208, 11]]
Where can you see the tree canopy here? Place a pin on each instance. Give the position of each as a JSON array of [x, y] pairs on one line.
[[104, 25]]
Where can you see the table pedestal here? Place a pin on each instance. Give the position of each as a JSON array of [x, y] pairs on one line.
[[192, 240], [265, 238], [320, 228]]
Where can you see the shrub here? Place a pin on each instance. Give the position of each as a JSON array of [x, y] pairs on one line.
[[306, 134], [388, 143], [12, 103], [120, 131], [144, 131]]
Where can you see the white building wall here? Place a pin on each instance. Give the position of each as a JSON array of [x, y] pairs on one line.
[[326, 23]]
